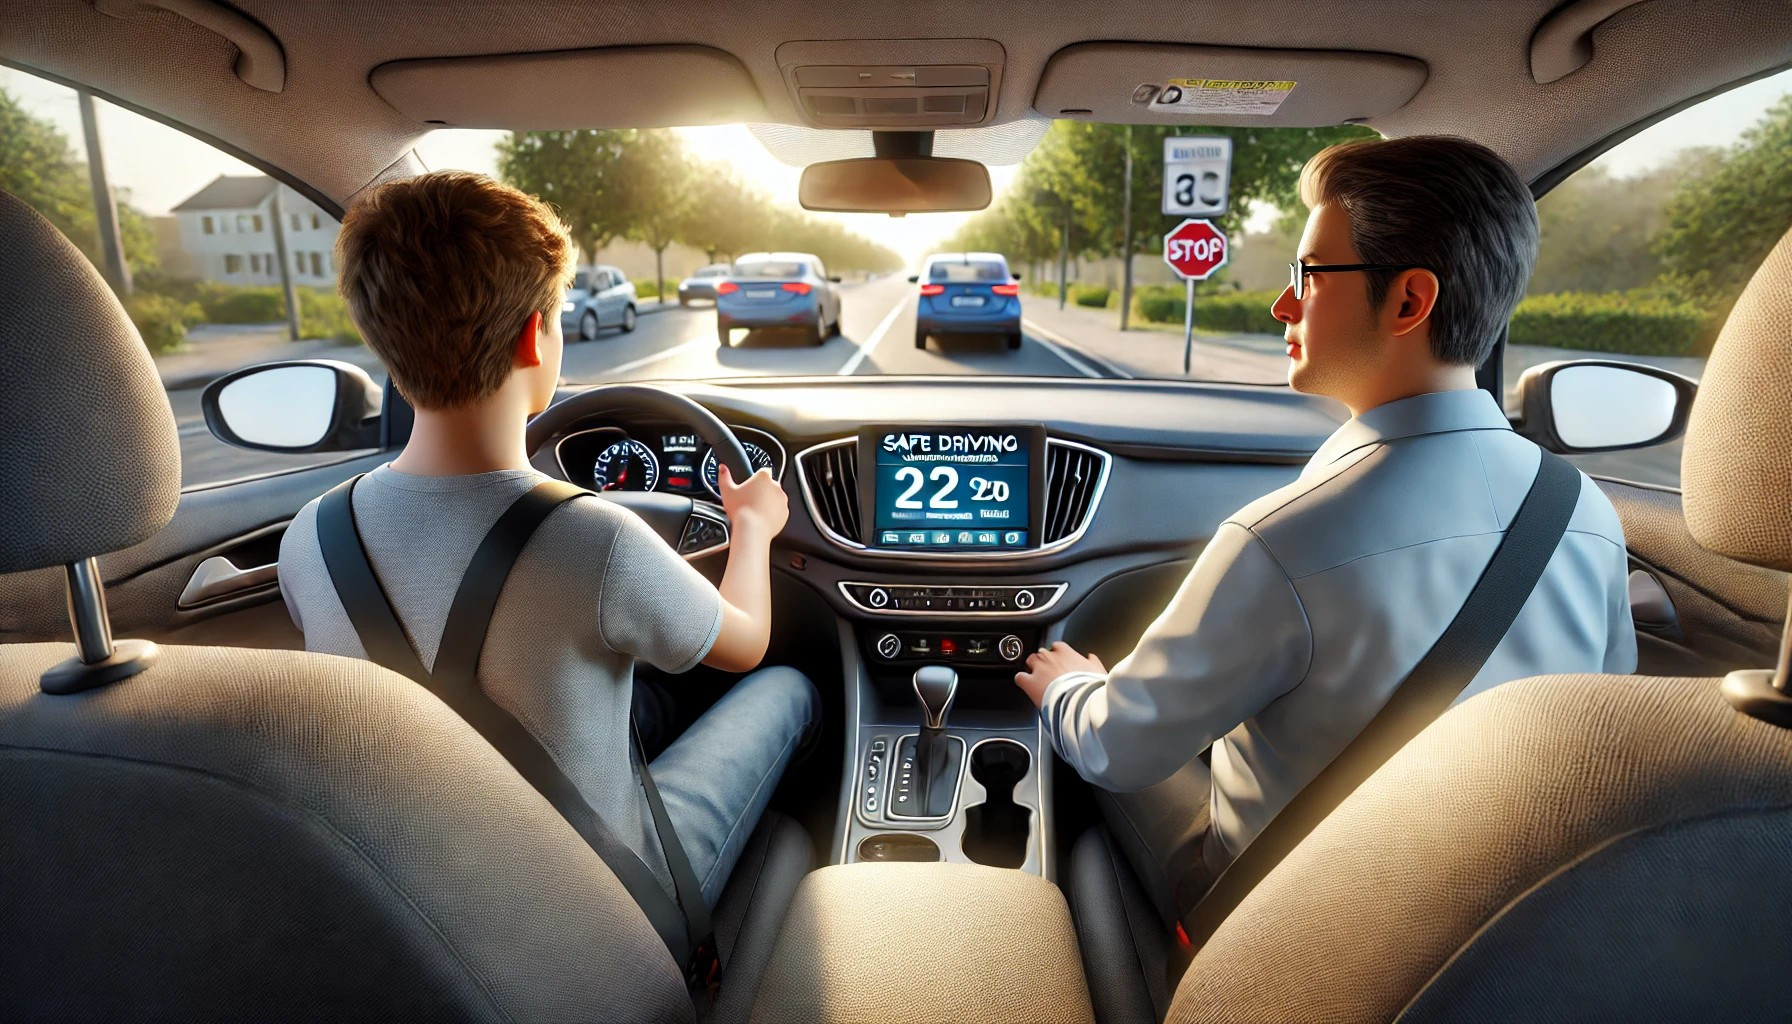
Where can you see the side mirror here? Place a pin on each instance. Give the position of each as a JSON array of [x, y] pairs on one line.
[[1015, 276], [836, 279], [299, 405], [1598, 405], [914, 279]]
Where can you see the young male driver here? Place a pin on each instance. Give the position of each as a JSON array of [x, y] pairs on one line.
[[456, 282], [1311, 604]]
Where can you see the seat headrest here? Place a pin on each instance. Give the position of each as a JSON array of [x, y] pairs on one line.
[[89, 458], [1736, 470]]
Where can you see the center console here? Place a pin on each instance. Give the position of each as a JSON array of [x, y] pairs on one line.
[[946, 759]]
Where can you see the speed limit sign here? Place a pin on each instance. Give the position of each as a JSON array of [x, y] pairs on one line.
[[1197, 175]]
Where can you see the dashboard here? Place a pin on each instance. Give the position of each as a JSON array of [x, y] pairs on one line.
[[650, 455]]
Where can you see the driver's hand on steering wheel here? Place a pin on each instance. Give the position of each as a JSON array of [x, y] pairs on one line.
[[757, 505]]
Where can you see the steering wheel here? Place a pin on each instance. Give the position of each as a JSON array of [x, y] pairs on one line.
[[687, 525]]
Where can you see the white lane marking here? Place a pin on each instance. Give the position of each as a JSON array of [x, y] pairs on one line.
[[655, 357], [1047, 338], [871, 342], [1073, 362]]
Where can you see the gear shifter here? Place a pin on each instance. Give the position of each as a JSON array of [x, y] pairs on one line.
[[935, 687]]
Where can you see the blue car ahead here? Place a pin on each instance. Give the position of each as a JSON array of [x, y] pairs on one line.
[[778, 289], [967, 293]]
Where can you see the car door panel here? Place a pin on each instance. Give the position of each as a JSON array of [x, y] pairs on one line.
[[1730, 614], [240, 521]]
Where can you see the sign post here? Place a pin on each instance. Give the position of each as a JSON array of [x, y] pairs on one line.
[[1194, 250]]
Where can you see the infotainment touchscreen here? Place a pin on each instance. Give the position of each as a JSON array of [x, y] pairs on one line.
[[958, 489]]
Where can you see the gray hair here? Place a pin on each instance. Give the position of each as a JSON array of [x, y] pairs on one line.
[[1448, 205]]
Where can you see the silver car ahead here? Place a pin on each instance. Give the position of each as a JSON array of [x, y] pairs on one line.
[[600, 297]]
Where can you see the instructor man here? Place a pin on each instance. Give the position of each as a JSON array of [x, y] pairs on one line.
[[1310, 605]]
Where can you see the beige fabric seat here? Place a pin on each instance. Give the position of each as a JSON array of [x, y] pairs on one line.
[[1571, 847], [256, 835]]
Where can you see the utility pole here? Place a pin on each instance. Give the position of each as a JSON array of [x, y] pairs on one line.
[[1126, 243], [281, 257], [105, 209], [1064, 260]]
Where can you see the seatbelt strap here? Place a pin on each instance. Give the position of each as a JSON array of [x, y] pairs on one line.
[[687, 933], [1427, 692]]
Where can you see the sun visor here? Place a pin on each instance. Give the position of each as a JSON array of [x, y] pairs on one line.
[[1159, 83], [615, 87]]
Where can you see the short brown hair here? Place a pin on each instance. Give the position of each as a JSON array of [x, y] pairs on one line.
[[441, 272], [1446, 204]]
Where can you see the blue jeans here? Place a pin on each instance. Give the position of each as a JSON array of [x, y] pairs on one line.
[[717, 778]]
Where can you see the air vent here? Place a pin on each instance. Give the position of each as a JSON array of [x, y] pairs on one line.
[[832, 475], [1073, 476]]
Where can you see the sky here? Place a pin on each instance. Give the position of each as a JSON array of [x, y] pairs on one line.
[[161, 166]]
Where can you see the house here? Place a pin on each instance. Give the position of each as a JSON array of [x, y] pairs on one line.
[[227, 228]]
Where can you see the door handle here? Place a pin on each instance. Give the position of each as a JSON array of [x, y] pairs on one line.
[[218, 578]]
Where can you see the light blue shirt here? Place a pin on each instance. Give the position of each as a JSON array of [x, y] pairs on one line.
[[1311, 604]]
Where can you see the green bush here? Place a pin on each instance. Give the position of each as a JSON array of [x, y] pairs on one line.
[[649, 288], [324, 314], [161, 320], [1093, 296], [1642, 322]]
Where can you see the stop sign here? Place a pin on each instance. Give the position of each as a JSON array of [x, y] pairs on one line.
[[1195, 249]]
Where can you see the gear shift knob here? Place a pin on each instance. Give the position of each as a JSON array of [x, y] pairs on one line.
[[935, 686]]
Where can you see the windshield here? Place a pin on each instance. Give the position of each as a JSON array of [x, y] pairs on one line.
[[582, 280], [768, 268], [980, 271]]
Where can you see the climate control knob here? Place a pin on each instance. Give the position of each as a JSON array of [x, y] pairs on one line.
[[1023, 599], [1011, 648], [889, 645]]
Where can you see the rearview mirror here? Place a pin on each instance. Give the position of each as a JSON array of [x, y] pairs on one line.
[[1598, 405], [895, 185], [299, 405]]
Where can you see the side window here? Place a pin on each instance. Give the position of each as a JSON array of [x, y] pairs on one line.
[[203, 288], [1645, 250]]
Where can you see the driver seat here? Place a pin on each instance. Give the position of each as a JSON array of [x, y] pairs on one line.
[[197, 832]]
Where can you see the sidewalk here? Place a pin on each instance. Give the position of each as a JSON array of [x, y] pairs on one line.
[[1154, 353], [213, 350]]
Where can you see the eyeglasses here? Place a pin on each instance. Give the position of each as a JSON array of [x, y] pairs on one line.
[[1297, 272]]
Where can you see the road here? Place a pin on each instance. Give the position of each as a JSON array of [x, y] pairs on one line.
[[877, 337]]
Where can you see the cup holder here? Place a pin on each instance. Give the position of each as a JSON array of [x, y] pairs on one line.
[[996, 831], [898, 846]]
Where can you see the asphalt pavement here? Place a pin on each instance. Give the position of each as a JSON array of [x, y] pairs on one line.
[[877, 337]]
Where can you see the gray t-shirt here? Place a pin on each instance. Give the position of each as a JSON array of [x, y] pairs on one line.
[[594, 590]]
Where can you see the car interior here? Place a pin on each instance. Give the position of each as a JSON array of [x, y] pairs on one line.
[[198, 819]]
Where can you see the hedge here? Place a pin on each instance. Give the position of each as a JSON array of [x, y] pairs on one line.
[[1237, 312], [1090, 295], [649, 288], [324, 314], [1628, 323]]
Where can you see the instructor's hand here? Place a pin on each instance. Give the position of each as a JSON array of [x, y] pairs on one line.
[[758, 504], [1047, 665]]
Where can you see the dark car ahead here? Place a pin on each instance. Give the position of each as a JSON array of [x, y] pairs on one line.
[[778, 289], [967, 293], [702, 284]]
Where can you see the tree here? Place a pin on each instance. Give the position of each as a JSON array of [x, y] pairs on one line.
[[1599, 232], [655, 182], [1722, 224], [577, 173], [38, 165]]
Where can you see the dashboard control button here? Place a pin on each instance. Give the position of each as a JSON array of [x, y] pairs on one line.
[[889, 646], [1011, 648], [1023, 599], [878, 598]]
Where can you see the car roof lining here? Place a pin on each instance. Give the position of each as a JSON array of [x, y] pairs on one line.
[[333, 134]]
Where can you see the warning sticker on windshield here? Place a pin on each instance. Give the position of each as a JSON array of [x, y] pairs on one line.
[[1220, 96]]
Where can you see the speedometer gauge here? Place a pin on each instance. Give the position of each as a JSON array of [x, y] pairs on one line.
[[626, 466], [757, 458]]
